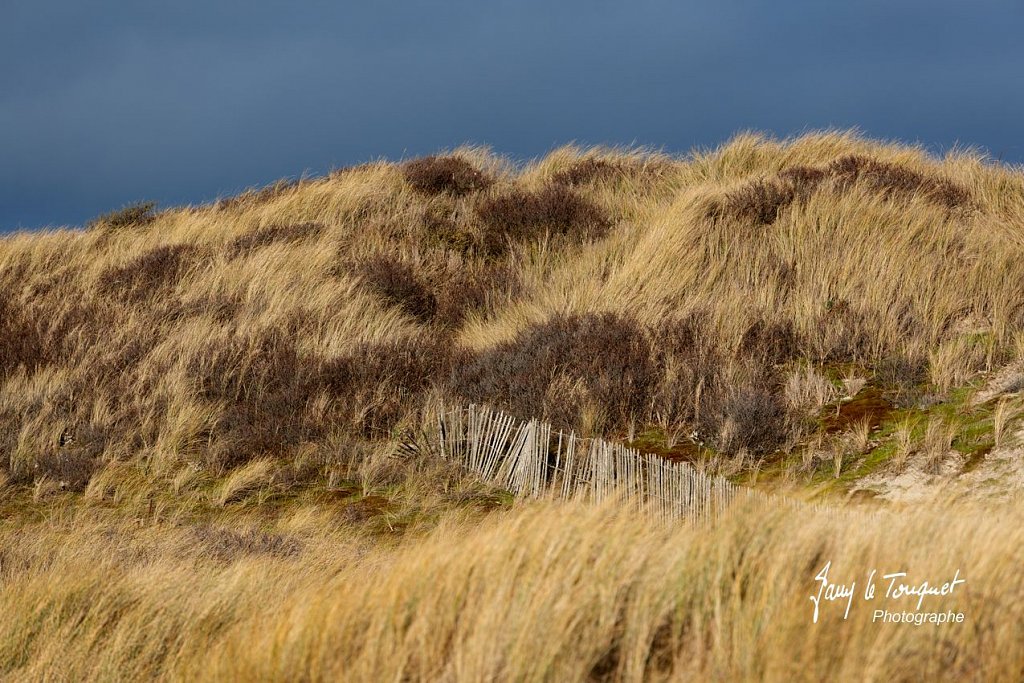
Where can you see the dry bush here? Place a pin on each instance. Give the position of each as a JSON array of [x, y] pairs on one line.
[[553, 370], [769, 343], [891, 181], [21, 342], [259, 383], [272, 234], [841, 333], [438, 221], [761, 201], [68, 468], [452, 174], [902, 375], [140, 214], [804, 180], [399, 284], [586, 171], [517, 215], [269, 396], [375, 385], [147, 275], [689, 367], [758, 202], [474, 290], [748, 414], [684, 337]]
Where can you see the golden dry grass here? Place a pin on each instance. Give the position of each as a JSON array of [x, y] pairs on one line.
[[211, 408], [544, 592], [282, 319]]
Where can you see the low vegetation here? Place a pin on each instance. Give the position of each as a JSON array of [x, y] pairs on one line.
[[250, 385], [540, 592]]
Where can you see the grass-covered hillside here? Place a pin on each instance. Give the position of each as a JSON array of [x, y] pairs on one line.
[[216, 457]]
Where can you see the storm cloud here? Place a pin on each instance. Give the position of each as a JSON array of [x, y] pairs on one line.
[[105, 103]]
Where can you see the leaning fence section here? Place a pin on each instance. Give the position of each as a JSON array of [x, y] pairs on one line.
[[529, 458]]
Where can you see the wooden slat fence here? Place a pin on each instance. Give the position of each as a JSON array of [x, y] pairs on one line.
[[529, 458]]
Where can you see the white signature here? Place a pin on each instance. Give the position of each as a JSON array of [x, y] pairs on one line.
[[898, 587]]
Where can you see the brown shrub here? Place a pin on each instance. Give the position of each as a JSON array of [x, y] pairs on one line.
[[366, 508], [758, 202], [71, 331], [147, 274], [69, 461], [376, 384], [398, 284], [142, 213], [54, 280], [474, 289], [802, 176], [588, 171], [733, 404], [750, 415], [948, 194], [556, 369], [445, 174], [221, 307], [520, 215], [259, 382], [271, 234], [591, 171], [770, 342], [269, 395], [891, 180], [804, 180], [560, 369], [840, 333], [21, 343], [682, 336], [70, 468]]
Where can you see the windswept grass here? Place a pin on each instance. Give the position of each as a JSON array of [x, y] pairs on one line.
[[544, 592], [220, 413], [344, 303]]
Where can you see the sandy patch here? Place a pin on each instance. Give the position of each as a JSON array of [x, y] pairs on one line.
[[999, 475]]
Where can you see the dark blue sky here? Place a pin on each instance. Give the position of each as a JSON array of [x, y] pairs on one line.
[[105, 103]]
